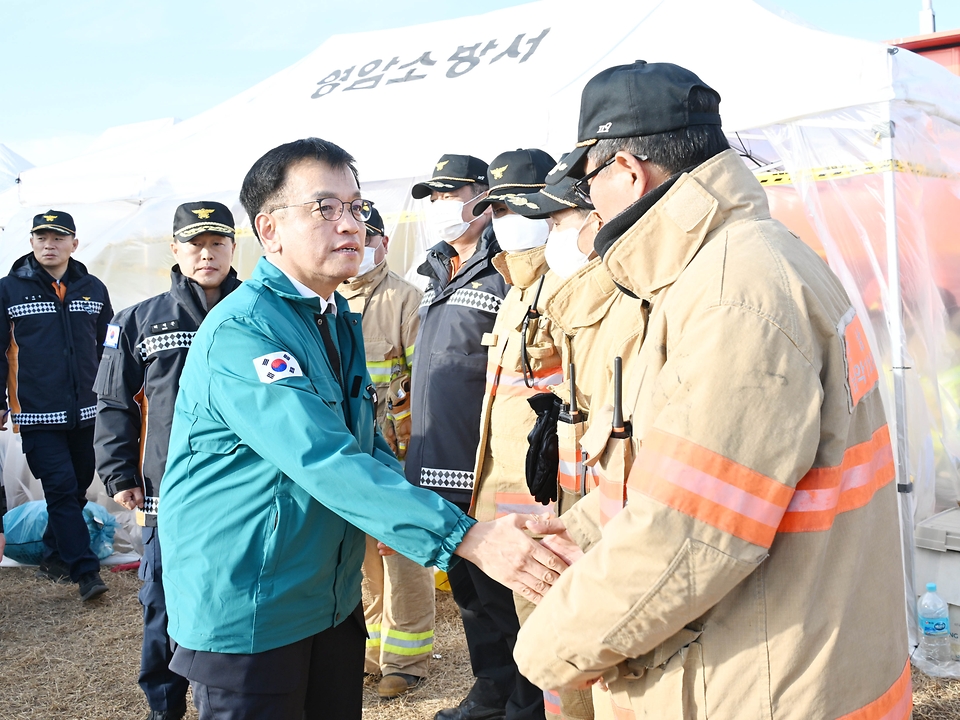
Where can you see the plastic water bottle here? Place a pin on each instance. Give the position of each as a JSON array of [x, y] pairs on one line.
[[934, 626]]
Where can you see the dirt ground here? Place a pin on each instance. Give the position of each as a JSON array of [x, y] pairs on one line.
[[61, 659]]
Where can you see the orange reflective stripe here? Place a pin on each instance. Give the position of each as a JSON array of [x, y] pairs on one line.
[[570, 469], [895, 704], [710, 487], [823, 493], [551, 702], [513, 384], [613, 498], [862, 371], [520, 503]]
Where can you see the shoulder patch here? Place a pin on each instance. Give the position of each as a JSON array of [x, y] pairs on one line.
[[113, 336], [276, 366]]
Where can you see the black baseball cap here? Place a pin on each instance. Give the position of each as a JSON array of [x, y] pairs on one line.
[[630, 101], [55, 220], [194, 218], [375, 224], [452, 172], [515, 172], [548, 200]]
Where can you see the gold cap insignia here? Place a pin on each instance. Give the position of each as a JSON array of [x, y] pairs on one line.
[[85, 297], [49, 218], [498, 172], [521, 201], [475, 285], [203, 213], [560, 166], [441, 164]]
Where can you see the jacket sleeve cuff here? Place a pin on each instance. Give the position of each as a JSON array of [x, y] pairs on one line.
[[117, 486], [582, 521], [445, 558]]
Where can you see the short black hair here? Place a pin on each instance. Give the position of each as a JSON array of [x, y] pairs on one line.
[[264, 181], [674, 150]]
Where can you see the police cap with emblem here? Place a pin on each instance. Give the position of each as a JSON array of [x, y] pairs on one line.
[[513, 173], [374, 225], [194, 218], [452, 172], [630, 101], [548, 200], [55, 220]]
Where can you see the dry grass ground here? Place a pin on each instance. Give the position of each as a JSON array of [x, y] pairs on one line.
[[61, 659]]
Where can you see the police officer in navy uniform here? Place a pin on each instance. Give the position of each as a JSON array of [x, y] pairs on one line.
[[143, 357], [55, 317]]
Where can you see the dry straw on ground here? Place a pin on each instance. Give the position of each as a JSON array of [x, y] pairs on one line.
[[61, 659]]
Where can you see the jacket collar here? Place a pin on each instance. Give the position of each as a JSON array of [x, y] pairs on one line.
[[522, 269], [274, 279], [28, 267], [188, 293], [358, 285], [656, 248], [584, 299], [437, 263]]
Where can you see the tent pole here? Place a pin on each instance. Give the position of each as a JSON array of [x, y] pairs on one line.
[[887, 132]]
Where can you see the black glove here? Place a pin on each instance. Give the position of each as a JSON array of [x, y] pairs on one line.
[[543, 456]]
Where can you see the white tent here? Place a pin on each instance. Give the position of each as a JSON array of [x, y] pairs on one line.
[[859, 147]]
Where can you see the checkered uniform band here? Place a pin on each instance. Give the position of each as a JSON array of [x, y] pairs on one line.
[[54, 418], [165, 341], [151, 504], [91, 307], [476, 299], [442, 478], [33, 308]]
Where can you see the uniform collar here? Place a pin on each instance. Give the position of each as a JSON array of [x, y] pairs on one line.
[[584, 299], [522, 269], [653, 251], [302, 290], [355, 286]]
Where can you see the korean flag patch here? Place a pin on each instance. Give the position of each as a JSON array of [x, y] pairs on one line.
[[276, 366], [113, 336]]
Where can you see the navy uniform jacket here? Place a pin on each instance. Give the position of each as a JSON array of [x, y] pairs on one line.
[[450, 374], [51, 347], [137, 385]]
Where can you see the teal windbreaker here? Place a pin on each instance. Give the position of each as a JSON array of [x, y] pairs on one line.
[[269, 488]]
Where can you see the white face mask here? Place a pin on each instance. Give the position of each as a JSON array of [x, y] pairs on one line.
[[368, 263], [515, 232], [445, 219], [562, 253]]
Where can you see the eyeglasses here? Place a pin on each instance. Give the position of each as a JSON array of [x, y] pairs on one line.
[[332, 208], [582, 186]]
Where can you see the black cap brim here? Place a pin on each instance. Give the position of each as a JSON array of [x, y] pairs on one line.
[[56, 228], [191, 231], [503, 195], [424, 189], [572, 164]]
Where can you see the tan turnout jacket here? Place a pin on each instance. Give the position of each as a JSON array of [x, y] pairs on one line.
[[755, 571], [388, 304], [506, 417]]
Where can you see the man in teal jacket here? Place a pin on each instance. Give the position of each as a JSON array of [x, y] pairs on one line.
[[276, 469]]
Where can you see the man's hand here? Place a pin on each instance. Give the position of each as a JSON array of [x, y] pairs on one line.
[[385, 550], [555, 537], [3, 540], [3, 420], [130, 499], [507, 554]]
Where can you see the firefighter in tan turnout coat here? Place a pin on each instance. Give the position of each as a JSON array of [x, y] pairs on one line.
[[754, 571], [398, 594]]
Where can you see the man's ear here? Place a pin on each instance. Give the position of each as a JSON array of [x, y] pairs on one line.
[[267, 229], [385, 242], [639, 172], [174, 248]]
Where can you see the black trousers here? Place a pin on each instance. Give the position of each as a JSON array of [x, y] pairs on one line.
[[165, 690], [64, 462], [317, 678], [491, 626]]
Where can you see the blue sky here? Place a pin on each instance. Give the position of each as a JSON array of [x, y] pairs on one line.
[[73, 69]]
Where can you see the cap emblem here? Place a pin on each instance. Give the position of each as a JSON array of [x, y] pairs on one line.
[[521, 201], [498, 172], [559, 167], [49, 218], [203, 213], [604, 128], [441, 164], [476, 285]]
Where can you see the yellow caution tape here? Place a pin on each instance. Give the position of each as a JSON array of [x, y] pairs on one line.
[[839, 172]]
